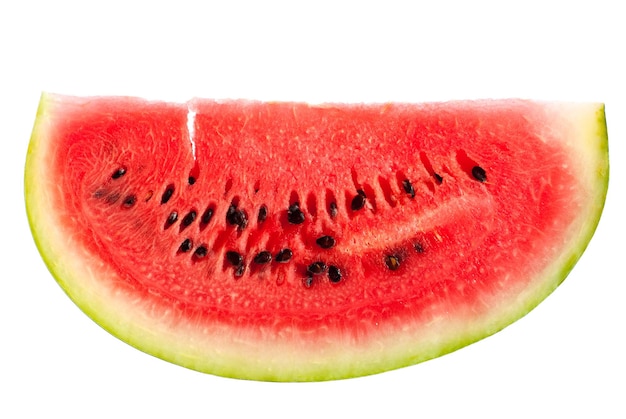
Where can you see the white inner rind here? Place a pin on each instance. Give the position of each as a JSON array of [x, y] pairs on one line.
[[218, 349], [191, 118]]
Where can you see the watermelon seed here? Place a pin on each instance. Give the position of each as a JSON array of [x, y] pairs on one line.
[[358, 201], [201, 251], [206, 216], [308, 281], [331, 203], [392, 262], [185, 246], [262, 213], [325, 242], [187, 220], [438, 178], [419, 248], [284, 256], [316, 268], [129, 201], [479, 174], [148, 195], [232, 209], [191, 180], [171, 219], [408, 188], [118, 173], [236, 217], [234, 258], [239, 270], [263, 257], [333, 209], [294, 214], [334, 274], [169, 191]]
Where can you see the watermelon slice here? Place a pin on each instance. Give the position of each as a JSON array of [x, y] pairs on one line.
[[296, 242]]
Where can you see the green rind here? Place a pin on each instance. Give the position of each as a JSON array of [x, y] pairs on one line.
[[120, 317]]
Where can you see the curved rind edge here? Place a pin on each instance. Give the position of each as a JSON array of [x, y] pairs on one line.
[[111, 311]]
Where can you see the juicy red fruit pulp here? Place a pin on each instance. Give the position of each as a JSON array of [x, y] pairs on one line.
[[271, 214]]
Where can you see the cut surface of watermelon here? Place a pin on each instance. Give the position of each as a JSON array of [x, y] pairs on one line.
[[296, 242]]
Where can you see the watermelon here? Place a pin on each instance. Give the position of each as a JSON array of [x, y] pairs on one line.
[[288, 241]]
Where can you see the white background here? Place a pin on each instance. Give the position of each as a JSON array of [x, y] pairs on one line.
[[565, 359]]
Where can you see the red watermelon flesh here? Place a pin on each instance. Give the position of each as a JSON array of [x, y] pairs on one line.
[[293, 242]]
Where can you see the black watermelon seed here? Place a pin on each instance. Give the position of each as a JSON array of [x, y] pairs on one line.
[[316, 268], [186, 246], [234, 258], [201, 251], [392, 262], [325, 242], [188, 219], [169, 191], [438, 178], [333, 209], [294, 214], [239, 270], [479, 174], [419, 248], [236, 217], [129, 201], [262, 213], [334, 274], [242, 219], [284, 256], [171, 219], [408, 188], [263, 257], [191, 180], [118, 173], [206, 217], [230, 212], [358, 201], [308, 281]]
